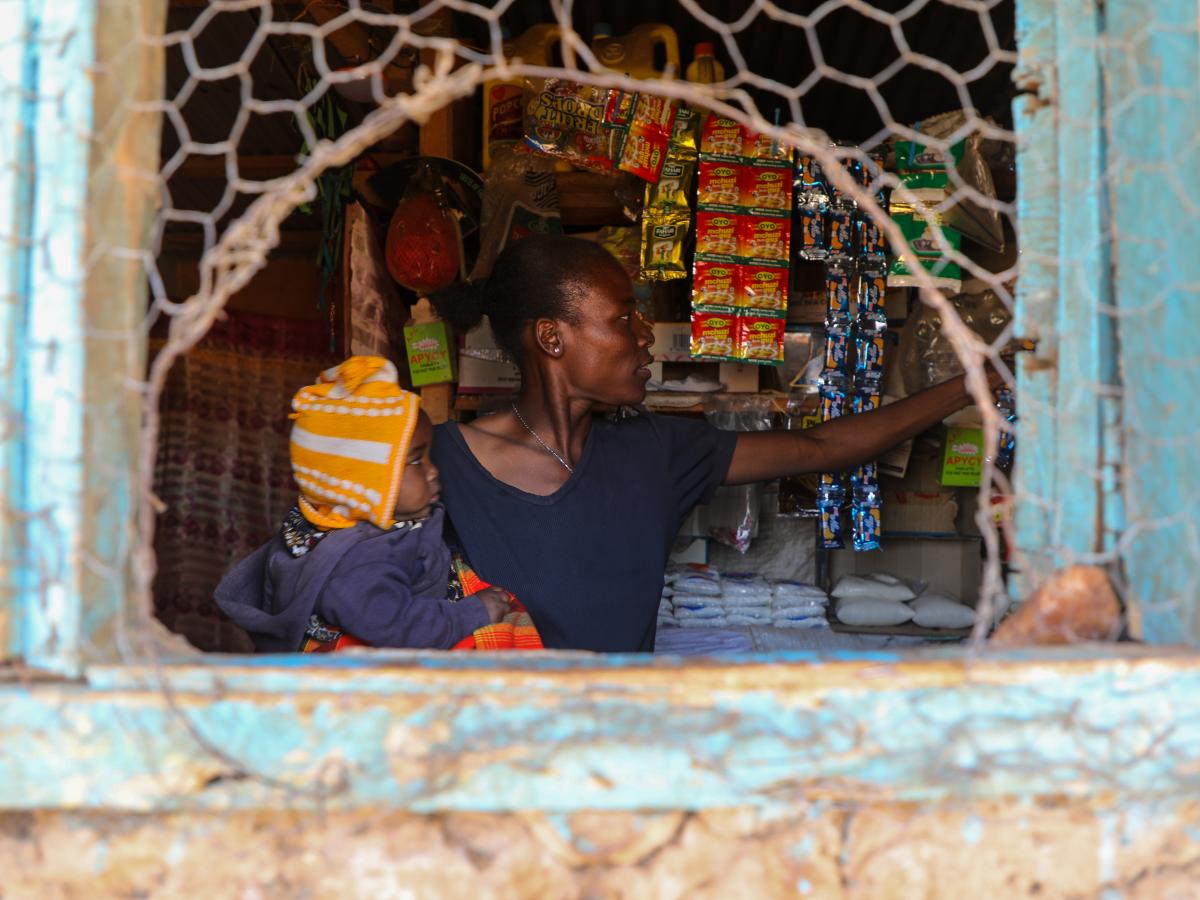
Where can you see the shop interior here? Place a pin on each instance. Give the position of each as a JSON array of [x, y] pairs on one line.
[[755, 569]]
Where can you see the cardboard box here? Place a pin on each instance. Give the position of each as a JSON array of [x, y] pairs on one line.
[[739, 378], [672, 341], [916, 503], [485, 376], [480, 368], [947, 565], [689, 551], [919, 512]]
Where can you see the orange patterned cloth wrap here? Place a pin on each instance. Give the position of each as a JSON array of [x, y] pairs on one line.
[[515, 631]]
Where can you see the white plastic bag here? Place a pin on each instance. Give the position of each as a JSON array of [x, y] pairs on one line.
[[870, 587], [942, 611], [873, 611]]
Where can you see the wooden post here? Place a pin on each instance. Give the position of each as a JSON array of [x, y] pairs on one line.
[[443, 134]]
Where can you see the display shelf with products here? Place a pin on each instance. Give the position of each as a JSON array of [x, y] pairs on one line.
[[919, 527], [660, 402]]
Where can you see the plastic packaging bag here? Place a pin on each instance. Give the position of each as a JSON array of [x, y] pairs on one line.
[[873, 611], [733, 515], [521, 198], [923, 169], [926, 355], [871, 587]]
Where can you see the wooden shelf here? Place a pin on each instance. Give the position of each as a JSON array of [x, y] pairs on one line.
[[655, 402], [905, 630], [588, 199], [924, 536]]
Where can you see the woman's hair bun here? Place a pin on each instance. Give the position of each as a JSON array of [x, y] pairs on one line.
[[461, 304]]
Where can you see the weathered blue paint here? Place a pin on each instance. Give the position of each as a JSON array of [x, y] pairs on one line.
[[616, 737], [1037, 290], [1066, 505], [1154, 103], [50, 363], [16, 154], [1085, 347]]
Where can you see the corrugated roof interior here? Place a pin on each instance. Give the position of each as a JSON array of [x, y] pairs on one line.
[[958, 34]]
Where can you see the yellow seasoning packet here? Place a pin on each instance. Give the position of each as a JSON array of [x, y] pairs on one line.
[[674, 183], [663, 236]]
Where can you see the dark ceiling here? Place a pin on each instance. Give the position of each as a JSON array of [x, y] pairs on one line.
[[954, 33]]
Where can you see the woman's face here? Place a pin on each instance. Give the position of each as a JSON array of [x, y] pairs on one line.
[[608, 350]]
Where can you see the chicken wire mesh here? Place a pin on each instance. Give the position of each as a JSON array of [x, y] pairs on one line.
[[419, 60], [236, 229]]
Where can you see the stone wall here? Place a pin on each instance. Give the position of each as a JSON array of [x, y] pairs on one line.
[[998, 849]]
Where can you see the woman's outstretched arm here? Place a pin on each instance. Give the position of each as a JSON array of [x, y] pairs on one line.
[[845, 442]]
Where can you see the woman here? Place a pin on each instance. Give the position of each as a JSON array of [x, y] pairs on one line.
[[576, 515]]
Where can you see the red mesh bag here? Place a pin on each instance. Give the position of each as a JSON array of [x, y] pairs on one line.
[[424, 245]]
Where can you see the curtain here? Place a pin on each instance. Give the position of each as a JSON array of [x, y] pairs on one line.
[[222, 468]]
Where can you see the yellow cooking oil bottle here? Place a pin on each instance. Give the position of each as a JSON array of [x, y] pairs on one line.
[[634, 53], [705, 68], [502, 99]]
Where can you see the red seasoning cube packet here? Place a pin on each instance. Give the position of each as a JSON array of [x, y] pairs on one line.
[[719, 183], [760, 338], [716, 233], [763, 237], [721, 137], [656, 111], [644, 151], [650, 121], [764, 187], [714, 283], [764, 147], [762, 287], [713, 333]]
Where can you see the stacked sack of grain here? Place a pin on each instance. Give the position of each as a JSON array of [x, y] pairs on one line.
[[885, 600], [700, 596], [795, 604]]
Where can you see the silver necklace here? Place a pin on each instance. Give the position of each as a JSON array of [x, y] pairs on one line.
[[537, 437]]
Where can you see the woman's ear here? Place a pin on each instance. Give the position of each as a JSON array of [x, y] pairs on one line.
[[547, 337]]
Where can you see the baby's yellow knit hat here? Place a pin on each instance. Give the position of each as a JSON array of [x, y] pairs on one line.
[[350, 440]]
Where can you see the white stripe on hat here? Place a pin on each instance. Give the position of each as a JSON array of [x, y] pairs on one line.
[[350, 448], [386, 373]]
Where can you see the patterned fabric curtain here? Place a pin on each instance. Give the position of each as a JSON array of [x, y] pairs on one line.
[[222, 469], [376, 312]]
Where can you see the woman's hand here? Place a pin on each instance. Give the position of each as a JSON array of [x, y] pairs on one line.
[[495, 601]]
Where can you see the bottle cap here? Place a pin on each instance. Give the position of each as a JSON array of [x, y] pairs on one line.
[[705, 48], [601, 30]]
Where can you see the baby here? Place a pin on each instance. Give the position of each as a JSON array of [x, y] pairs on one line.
[[360, 559]]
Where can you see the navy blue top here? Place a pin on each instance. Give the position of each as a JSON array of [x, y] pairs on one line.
[[588, 560]]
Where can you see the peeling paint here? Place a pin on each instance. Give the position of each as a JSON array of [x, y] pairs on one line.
[[608, 737]]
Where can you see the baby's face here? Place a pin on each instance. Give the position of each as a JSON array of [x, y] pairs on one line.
[[419, 487]]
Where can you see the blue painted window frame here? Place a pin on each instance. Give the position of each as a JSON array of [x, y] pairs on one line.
[[561, 731]]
